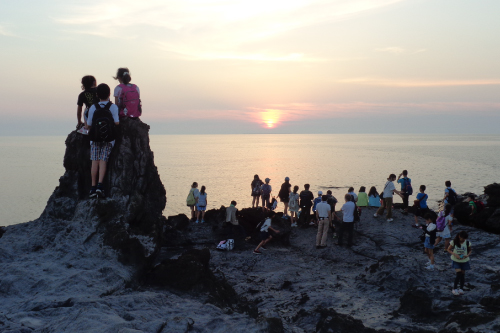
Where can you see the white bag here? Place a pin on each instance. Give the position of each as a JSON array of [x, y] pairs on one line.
[[226, 245]]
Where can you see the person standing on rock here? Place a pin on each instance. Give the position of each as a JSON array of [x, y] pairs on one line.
[[430, 238], [388, 193], [201, 205], [446, 228], [306, 198], [405, 189], [106, 115], [284, 195], [421, 204], [192, 199], [460, 249], [347, 220], [293, 206], [316, 201], [256, 190], [264, 233], [266, 190], [324, 217], [450, 196], [332, 201]]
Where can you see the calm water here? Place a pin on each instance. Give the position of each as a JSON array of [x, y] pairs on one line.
[[225, 164]]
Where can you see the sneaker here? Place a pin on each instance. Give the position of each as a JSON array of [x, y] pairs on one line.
[[92, 193], [197, 221], [460, 291], [263, 248], [376, 215], [202, 221], [256, 252], [430, 267], [312, 223], [294, 225], [414, 226], [100, 192], [455, 292], [390, 220], [334, 236]]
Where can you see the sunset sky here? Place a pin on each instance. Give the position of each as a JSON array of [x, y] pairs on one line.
[[241, 66]]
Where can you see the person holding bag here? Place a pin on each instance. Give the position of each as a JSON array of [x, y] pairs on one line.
[[387, 196]]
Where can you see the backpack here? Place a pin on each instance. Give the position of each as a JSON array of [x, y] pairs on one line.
[[130, 105], [266, 189], [441, 222], [479, 205], [331, 201], [103, 128], [452, 197], [305, 199], [408, 189], [191, 201], [226, 245], [273, 204], [256, 189]]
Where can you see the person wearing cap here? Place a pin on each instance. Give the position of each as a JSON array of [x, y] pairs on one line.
[[324, 216], [284, 195], [315, 203], [266, 190]]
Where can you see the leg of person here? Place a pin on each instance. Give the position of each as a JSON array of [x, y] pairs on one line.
[[350, 228], [253, 201], [341, 232], [94, 172], [380, 210], [319, 234], [457, 281], [405, 202], [203, 216], [286, 209], [102, 170], [438, 239], [462, 282], [388, 204], [326, 226], [258, 247], [257, 201], [197, 216]]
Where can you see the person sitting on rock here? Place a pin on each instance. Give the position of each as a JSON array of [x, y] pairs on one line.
[[100, 149], [472, 204], [362, 197], [373, 197], [430, 238], [354, 195], [201, 205], [232, 223], [88, 97], [264, 233], [127, 95]]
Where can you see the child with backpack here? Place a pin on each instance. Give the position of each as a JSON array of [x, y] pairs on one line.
[[421, 205], [266, 190], [264, 233], [127, 95], [460, 249], [450, 196], [256, 190], [444, 225], [87, 97], [102, 119], [201, 205], [406, 189], [429, 238]]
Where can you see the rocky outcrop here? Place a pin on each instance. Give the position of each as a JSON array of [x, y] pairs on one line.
[[130, 218]]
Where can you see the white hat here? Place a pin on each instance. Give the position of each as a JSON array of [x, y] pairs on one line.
[[320, 192]]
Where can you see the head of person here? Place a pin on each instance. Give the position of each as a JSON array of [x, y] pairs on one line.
[[194, 185], [268, 180], [461, 237], [348, 197], [362, 189], [320, 193], [202, 190], [471, 197], [103, 91], [392, 177], [430, 218], [256, 177], [233, 203], [324, 197], [123, 75], [447, 209], [447, 183], [287, 179], [422, 188], [306, 186], [328, 192], [373, 191], [295, 189], [405, 173], [88, 81], [351, 189]]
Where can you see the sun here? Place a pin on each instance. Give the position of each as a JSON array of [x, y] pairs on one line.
[[270, 118]]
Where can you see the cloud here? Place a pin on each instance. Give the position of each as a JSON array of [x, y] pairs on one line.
[[420, 83], [5, 32], [210, 29]]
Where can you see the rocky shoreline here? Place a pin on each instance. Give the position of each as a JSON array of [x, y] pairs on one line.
[[118, 265]]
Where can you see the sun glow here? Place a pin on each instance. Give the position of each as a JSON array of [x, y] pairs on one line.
[[270, 118]]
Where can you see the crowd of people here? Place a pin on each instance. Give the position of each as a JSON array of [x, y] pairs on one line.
[[298, 206]]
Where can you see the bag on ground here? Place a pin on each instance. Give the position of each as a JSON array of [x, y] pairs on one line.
[[226, 245]]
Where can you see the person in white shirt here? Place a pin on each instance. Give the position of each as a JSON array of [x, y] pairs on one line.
[[264, 233], [388, 193], [324, 216], [347, 220]]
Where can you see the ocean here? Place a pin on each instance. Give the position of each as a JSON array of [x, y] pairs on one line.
[[225, 164]]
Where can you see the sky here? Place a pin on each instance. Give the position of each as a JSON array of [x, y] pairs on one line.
[[273, 66]]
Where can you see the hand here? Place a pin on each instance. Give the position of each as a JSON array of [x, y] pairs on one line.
[[79, 125], [456, 255]]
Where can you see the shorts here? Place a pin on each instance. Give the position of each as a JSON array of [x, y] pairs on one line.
[[464, 266], [99, 151], [285, 200], [264, 235], [421, 211], [201, 208], [255, 194], [294, 209], [427, 243], [444, 234], [266, 196]]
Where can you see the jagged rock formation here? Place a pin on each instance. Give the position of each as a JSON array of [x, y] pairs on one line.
[[130, 219]]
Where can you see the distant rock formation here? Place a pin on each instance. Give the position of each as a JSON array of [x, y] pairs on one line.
[[130, 218]]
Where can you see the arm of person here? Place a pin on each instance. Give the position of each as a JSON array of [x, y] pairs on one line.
[[275, 230], [450, 251], [330, 216], [317, 215], [79, 114], [468, 252]]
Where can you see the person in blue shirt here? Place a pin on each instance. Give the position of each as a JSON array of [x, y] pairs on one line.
[[421, 204], [373, 197], [403, 181]]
